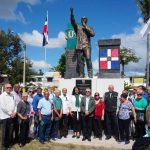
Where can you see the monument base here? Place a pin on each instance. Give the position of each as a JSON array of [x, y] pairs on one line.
[[97, 85], [71, 65]]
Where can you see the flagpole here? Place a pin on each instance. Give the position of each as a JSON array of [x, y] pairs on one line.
[[45, 57]]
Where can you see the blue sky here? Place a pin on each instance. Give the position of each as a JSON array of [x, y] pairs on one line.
[[109, 19]]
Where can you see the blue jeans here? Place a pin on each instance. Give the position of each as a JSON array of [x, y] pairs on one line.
[[36, 126], [45, 128]]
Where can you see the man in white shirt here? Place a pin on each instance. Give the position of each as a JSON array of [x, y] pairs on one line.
[[8, 110], [66, 110]]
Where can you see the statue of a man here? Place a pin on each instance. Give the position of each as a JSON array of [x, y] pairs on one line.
[[83, 47]]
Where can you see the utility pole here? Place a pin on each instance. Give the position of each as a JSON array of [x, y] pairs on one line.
[[24, 68]]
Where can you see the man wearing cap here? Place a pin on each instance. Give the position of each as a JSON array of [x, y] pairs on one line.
[[83, 47]]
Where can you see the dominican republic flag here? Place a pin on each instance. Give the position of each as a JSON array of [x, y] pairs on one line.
[[109, 59], [45, 32]]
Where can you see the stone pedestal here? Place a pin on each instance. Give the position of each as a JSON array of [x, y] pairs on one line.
[[71, 65]]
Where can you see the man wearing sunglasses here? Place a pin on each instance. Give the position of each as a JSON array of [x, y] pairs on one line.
[[87, 112], [8, 110]]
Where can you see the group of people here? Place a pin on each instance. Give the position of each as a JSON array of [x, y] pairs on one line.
[[53, 114]]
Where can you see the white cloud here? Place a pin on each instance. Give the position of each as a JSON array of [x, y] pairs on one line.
[[40, 64], [8, 9], [95, 65], [138, 44], [35, 39]]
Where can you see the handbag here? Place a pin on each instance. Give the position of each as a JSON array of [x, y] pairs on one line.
[[140, 117]]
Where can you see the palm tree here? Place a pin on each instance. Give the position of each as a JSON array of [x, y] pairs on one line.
[[144, 6]]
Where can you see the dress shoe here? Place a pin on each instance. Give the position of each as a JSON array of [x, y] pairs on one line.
[[78, 136], [42, 142], [100, 138], [89, 139], [127, 142], [83, 139], [73, 136], [53, 139], [108, 137]]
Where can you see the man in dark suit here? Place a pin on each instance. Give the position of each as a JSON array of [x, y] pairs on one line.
[[110, 100], [87, 112]]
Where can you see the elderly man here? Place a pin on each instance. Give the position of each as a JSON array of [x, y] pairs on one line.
[[110, 100], [8, 110], [87, 112], [17, 97], [45, 111]]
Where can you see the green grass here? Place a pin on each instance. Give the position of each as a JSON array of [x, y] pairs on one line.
[[55, 146]]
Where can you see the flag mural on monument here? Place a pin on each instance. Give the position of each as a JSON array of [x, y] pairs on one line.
[[45, 32], [109, 59]]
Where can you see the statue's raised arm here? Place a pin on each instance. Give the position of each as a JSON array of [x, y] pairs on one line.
[[72, 19], [71, 11]]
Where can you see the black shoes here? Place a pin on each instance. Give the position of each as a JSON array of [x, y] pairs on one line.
[[127, 142], [83, 139], [108, 137], [73, 136], [42, 142], [89, 139], [78, 136]]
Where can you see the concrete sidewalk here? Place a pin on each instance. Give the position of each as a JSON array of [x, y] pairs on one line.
[[111, 143]]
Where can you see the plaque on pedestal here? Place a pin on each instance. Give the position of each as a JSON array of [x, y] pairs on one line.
[[82, 84]]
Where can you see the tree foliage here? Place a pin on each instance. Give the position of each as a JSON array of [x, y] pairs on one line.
[[11, 60], [144, 6], [127, 55], [61, 67]]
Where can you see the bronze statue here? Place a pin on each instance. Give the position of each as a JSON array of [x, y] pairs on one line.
[[83, 47]]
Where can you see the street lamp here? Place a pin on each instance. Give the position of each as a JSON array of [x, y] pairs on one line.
[[24, 62]]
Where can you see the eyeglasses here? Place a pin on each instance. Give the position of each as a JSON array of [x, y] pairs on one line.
[[8, 87], [30, 91], [87, 91], [96, 95], [139, 94]]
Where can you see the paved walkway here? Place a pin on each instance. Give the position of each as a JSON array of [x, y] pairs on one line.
[[111, 143]]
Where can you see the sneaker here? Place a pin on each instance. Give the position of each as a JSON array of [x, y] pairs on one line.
[[35, 140], [127, 142]]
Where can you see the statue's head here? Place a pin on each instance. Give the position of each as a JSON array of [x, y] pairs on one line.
[[84, 19]]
